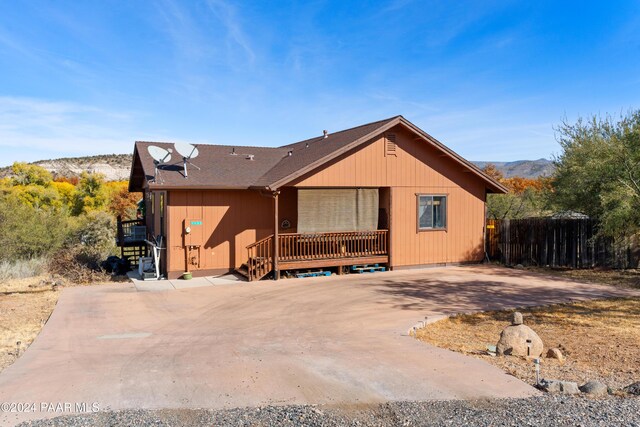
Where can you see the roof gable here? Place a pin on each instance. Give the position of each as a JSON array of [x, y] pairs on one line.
[[323, 150]]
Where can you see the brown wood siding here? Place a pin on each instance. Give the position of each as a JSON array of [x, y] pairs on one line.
[[231, 221], [288, 209], [417, 168]]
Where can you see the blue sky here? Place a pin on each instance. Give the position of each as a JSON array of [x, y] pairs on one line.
[[489, 78]]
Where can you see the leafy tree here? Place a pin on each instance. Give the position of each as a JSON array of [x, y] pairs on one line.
[[524, 199], [66, 193], [121, 202], [91, 193], [598, 172], [26, 174]]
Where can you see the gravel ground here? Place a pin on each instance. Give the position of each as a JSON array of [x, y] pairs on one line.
[[539, 411]]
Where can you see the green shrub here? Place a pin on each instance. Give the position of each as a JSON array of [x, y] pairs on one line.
[[96, 234], [27, 233]]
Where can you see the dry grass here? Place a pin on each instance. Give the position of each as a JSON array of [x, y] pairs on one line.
[[21, 269], [623, 278], [599, 339], [22, 315], [25, 306]]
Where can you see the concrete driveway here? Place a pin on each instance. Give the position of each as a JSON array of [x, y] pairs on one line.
[[320, 341]]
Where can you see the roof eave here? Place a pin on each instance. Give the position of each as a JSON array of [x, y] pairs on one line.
[[159, 187], [492, 183]]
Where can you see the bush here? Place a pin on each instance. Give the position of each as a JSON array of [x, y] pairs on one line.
[[21, 269], [96, 233], [27, 233]]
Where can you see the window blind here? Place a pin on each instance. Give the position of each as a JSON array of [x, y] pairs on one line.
[[348, 209]]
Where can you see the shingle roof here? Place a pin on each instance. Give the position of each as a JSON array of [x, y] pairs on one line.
[[271, 168], [219, 167]]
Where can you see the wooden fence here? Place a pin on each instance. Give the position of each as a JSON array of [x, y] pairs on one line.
[[555, 243]]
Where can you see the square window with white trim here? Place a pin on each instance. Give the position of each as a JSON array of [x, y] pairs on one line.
[[432, 212]]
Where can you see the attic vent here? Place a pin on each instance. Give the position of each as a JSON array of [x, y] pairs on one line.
[[390, 144]]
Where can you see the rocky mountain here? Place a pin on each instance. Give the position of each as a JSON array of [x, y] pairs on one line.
[[116, 167], [523, 168]]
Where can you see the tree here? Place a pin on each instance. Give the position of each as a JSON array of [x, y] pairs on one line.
[[598, 172], [91, 193], [26, 174], [121, 202], [524, 199]]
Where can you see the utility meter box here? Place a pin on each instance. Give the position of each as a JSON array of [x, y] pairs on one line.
[[193, 232]]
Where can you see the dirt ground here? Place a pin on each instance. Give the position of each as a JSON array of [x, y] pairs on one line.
[[598, 338], [25, 306]]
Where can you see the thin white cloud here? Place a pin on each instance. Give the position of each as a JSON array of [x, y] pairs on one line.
[[65, 127], [228, 17], [183, 31]]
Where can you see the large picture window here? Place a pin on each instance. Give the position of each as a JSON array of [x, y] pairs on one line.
[[432, 212]]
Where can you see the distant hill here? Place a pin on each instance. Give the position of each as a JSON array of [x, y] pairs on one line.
[[523, 168], [116, 167]]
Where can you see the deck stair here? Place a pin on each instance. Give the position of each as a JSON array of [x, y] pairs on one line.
[[133, 253], [255, 268], [367, 268]]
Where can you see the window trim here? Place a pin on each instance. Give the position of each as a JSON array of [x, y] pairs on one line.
[[446, 213]]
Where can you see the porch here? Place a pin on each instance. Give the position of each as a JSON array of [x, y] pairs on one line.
[[314, 250]]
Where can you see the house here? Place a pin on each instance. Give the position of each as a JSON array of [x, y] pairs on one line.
[[384, 193]]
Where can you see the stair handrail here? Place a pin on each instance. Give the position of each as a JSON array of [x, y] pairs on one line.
[[257, 269]]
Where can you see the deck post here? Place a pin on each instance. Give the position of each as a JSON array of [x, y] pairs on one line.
[[276, 243]]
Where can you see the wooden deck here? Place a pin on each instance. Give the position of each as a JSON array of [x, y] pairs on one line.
[[130, 238], [316, 250]]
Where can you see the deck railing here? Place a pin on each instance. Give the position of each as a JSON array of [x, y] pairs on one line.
[[348, 244], [314, 246], [130, 231]]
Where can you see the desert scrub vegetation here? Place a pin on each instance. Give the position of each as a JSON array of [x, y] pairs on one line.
[[599, 339], [59, 226], [22, 268]]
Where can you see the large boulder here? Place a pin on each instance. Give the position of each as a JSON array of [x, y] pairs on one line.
[[519, 340]]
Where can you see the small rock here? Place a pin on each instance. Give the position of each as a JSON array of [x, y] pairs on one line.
[[559, 387], [519, 340], [555, 353], [633, 388], [519, 266], [516, 318], [595, 388]]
